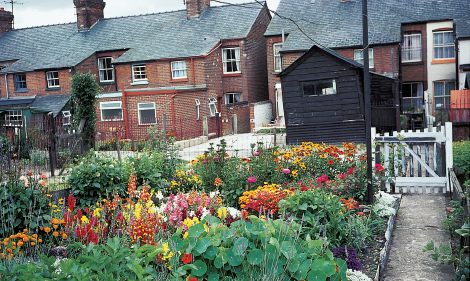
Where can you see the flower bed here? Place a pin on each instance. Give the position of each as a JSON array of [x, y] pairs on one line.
[[282, 214]]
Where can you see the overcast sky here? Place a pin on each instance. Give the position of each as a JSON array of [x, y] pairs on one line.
[[44, 12]]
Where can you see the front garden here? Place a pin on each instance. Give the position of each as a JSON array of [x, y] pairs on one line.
[[285, 213]]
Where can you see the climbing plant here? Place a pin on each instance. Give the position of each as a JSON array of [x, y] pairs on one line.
[[84, 96]]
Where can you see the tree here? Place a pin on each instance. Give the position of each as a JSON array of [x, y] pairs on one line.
[[85, 93]]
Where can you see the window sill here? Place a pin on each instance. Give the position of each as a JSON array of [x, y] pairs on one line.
[[443, 61], [21, 91], [231, 74], [106, 83], [276, 72], [53, 89], [413, 62], [147, 124], [112, 120], [144, 82], [179, 80]]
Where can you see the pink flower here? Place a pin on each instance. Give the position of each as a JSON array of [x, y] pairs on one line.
[[256, 153], [252, 179], [342, 176], [322, 179], [286, 171], [379, 167], [351, 171]]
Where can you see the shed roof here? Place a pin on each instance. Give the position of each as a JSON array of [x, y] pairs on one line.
[[145, 37], [53, 103], [336, 23]]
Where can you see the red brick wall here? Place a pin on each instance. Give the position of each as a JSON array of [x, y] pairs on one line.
[[242, 110], [416, 71]]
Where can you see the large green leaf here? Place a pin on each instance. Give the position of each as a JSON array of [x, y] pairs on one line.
[[233, 259], [316, 275], [288, 250], [196, 230], [255, 257], [202, 245], [220, 260], [211, 252], [175, 243], [201, 268], [327, 267], [240, 246], [302, 272]]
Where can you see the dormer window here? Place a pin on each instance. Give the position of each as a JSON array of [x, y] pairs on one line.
[[52, 79], [106, 69], [231, 60]]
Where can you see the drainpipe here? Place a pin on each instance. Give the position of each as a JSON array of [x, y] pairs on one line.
[[124, 105], [6, 86], [173, 110], [456, 48]]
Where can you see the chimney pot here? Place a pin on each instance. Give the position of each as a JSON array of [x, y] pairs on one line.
[[88, 12], [6, 20], [194, 8]]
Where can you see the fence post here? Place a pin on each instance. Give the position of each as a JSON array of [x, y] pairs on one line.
[[164, 128], [205, 126], [449, 154], [117, 146], [52, 143], [274, 136], [235, 124]]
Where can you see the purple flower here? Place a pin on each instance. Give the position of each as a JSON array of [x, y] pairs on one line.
[[252, 179]]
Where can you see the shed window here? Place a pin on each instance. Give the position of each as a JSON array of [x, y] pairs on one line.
[[66, 117], [13, 118], [319, 87], [147, 113], [111, 111]]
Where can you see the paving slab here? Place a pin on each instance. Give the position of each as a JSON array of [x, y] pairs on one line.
[[420, 220]]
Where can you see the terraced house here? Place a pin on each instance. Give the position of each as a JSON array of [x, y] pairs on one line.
[[185, 64], [425, 44]]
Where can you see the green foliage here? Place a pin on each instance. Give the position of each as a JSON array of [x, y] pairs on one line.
[[5, 145], [320, 212], [444, 255], [110, 261], [451, 222], [461, 152], [147, 167], [97, 176], [22, 146], [358, 231], [22, 207], [160, 144], [84, 96], [39, 157], [253, 250]]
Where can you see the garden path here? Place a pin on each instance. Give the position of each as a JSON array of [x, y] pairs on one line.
[[420, 220]]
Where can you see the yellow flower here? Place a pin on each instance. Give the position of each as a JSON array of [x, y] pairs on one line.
[[222, 213], [85, 219]]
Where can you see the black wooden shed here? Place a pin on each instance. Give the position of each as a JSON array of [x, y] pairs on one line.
[[324, 101]]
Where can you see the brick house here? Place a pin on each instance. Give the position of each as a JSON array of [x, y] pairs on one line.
[[185, 64], [412, 40]]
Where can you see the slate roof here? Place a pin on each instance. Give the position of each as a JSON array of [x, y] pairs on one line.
[[334, 24], [146, 37], [54, 103]]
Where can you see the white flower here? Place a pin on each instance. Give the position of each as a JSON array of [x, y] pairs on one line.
[[234, 212], [159, 195], [356, 276]]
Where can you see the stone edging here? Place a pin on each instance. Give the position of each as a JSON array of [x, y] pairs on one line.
[[386, 249]]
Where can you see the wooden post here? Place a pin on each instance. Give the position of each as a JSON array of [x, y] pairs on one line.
[[235, 124], [205, 126], [449, 154], [164, 128], [274, 136], [52, 143], [118, 149]]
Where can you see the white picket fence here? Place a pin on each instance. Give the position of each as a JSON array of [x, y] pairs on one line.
[[420, 161]]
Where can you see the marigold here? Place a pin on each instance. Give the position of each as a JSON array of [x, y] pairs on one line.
[[55, 234], [25, 239], [33, 243], [47, 229], [20, 244], [64, 236], [43, 176], [40, 240]]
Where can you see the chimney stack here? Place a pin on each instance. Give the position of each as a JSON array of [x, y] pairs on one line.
[[88, 12], [6, 20], [194, 8]]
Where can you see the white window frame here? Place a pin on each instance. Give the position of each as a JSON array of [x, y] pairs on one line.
[[277, 59], [333, 90], [446, 87], [442, 46], [198, 106], [139, 74], [52, 80], [409, 50], [14, 117], [359, 57], [104, 68], [418, 97], [66, 117], [233, 95], [231, 61], [213, 106], [176, 67], [139, 109], [111, 107]]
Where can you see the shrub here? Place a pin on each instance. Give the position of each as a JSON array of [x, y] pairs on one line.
[[96, 177], [23, 206], [461, 152], [148, 168]]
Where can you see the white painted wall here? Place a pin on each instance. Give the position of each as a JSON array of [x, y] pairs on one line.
[[263, 113], [439, 71], [464, 58]]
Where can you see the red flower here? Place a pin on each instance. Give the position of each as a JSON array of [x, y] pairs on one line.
[[187, 258], [303, 188], [30, 174], [351, 171], [322, 179], [193, 279]]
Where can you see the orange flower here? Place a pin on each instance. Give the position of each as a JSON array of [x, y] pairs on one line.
[[25, 239], [33, 243], [64, 236], [47, 229], [20, 243], [43, 183], [187, 258], [43, 176], [331, 162], [25, 230], [55, 226], [55, 234], [40, 240], [55, 221], [35, 235]]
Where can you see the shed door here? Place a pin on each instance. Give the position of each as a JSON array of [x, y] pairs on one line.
[[279, 104]]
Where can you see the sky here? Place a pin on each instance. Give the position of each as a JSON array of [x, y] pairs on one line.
[[30, 13]]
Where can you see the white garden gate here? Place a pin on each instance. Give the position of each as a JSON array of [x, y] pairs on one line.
[[419, 161]]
